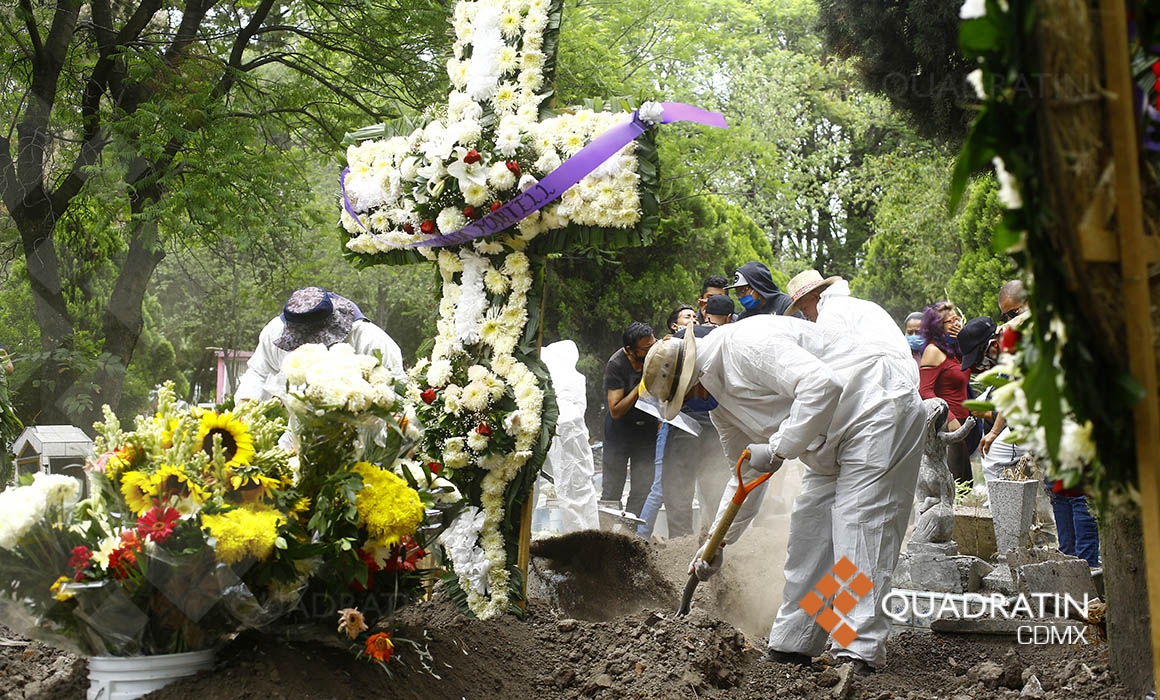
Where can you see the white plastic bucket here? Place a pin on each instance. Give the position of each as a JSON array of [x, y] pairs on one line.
[[129, 677]]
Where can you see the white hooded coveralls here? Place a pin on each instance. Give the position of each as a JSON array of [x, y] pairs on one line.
[[848, 380], [570, 457]]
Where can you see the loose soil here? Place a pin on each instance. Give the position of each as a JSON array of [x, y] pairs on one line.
[[601, 623]]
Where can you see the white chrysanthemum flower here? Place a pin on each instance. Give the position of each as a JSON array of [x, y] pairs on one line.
[[439, 373], [475, 397], [457, 72], [504, 98], [450, 219], [500, 176], [476, 442], [476, 195], [488, 246], [508, 59], [495, 281], [530, 81]]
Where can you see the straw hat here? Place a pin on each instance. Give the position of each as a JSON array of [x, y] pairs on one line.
[[668, 372], [802, 284]]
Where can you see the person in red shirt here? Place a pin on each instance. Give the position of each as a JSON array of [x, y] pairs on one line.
[[941, 376]]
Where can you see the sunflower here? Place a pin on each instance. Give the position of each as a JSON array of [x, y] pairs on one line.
[[237, 444], [255, 482], [171, 480], [139, 491]]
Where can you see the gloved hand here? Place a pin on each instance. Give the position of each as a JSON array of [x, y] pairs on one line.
[[705, 569], [762, 458]]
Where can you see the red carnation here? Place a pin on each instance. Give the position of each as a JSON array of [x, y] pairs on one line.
[[427, 227], [514, 167], [408, 228], [496, 205], [80, 557], [483, 429], [435, 467], [428, 395], [1009, 340], [1156, 68], [471, 156], [469, 211]]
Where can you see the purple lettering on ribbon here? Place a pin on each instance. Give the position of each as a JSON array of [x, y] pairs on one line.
[[570, 172]]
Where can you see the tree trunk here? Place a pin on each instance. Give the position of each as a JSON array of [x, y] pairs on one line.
[[55, 375], [124, 319], [1126, 584]]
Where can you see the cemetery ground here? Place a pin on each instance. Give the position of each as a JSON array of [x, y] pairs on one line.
[[601, 623]]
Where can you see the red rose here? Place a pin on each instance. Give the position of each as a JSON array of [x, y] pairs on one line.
[[483, 429], [472, 156], [427, 227], [514, 167], [428, 395], [496, 205], [408, 228], [434, 467], [469, 211], [1156, 68], [1009, 340]]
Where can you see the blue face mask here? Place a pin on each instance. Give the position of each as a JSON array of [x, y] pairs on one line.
[[916, 342], [749, 301]]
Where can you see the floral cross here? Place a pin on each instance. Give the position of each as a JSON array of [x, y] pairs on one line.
[[483, 396]]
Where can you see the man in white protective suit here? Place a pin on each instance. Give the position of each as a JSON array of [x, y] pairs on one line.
[[570, 456], [842, 396]]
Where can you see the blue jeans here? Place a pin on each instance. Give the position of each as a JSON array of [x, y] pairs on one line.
[[652, 504], [1078, 534]]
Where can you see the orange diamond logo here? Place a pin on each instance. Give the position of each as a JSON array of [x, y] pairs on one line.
[[827, 586], [844, 569], [828, 619], [811, 603], [845, 598], [843, 635], [844, 603], [861, 585]]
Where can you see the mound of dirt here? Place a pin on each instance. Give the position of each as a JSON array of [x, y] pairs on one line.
[[602, 624]]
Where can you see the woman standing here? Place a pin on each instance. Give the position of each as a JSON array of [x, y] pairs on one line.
[[941, 375]]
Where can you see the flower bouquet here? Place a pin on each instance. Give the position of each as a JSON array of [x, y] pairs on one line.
[[374, 513], [191, 532]]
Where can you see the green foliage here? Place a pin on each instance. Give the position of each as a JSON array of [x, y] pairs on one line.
[[908, 51]]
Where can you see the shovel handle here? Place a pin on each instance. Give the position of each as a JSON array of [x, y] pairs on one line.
[[709, 551]]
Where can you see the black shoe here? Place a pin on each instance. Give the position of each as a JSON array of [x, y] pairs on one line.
[[859, 667], [787, 657]]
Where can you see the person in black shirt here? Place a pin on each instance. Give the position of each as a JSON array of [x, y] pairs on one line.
[[630, 434]]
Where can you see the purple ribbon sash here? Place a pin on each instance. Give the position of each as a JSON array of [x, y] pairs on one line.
[[566, 175]]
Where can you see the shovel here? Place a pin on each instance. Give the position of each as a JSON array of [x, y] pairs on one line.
[[709, 551]]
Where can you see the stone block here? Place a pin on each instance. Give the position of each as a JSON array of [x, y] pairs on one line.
[[939, 573], [1072, 578], [1012, 511], [975, 531], [946, 549]]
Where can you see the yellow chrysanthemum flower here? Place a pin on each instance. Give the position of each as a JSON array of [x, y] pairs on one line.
[[171, 480], [249, 531], [387, 507], [58, 593], [302, 505], [237, 444], [139, 491]]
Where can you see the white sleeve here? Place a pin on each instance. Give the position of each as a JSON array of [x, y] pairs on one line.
[[366, 337], [263, 366]]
